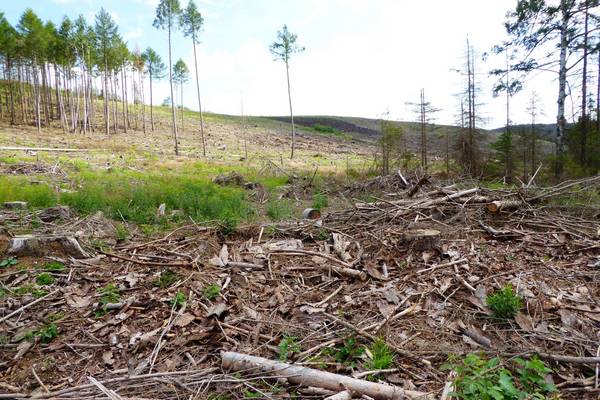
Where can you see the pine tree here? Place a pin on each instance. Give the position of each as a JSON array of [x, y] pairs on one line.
[[106, 34], [283, 49], [192, 23], [181, 74], [156, 71], [167, 14]]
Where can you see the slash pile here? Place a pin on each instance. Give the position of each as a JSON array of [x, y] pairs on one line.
[[150, 319]]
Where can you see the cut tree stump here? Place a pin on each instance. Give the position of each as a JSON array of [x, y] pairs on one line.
[[54, 213], [504, 205], [309, 377], [14, 205], [423, 239], [32, 245]]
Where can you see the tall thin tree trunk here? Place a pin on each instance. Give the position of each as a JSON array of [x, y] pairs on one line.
[[172, 98], [151, 103], [584, 120], [199, 101], [11, 92], [181, 89], [287, 70], [561, 122], [106, 111], [124, 98], [143, 101]]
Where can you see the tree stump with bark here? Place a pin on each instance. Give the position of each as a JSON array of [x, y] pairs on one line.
[[423, 239], [32, 245], [504, 205]]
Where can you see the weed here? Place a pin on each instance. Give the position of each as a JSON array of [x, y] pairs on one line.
[[287, 346], [166, 279], [4, 339], [227, 225], [44, 279], [109, 294], [8, 262], [122, 232], [47, 333], [178, 300], [349, 352], [383, 356], [56, 316], [279, 209], [30, 289], [54, 266], [323, 234], [320, 201], [478, 378], [211, 292], [251, 394], [504, 303]]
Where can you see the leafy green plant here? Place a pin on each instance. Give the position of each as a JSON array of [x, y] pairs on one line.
[[211, 292], [287, 346], [8, 262], [54, 266], [44, 279], [383, 356], [320, 201], [504, 303], [30, 289], [178, 300], [166, 279], [109, 294], [348, 352], [55, 316], [251, 394], [480, 379], [47, 333]]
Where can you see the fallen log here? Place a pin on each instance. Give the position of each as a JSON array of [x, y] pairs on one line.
[[504, 205], [304, 376]]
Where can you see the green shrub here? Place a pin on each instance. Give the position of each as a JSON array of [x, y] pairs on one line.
[[320, 201], [481, 379], [349, 352], [109, 294], [47, 333], [383, 356], [166, 279], [178, 300], [288, 345], [324, 128], [122, 232], [54, 266], [44, 279], [211, 292], [504, 303]]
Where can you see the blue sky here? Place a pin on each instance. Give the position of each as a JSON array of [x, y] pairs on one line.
[[363, 57]]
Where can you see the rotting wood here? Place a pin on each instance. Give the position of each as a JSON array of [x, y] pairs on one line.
[[504, 205], [423, 239], [39, 245], [304, 376]]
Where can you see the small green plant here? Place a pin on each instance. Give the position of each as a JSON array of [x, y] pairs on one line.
[[30, 289], [56, 316], [287, 346], [4, 339], [481, 379], [211, 292], [323, 234], [8, 262], [348, 352], [54, 266], [122, 232], [383, 356], [320, 201], [47, 333], [279, 209], [44, 279], [251, 394], [227, 225], [166, 279], [178, 300], [109, 294], [504, 303]]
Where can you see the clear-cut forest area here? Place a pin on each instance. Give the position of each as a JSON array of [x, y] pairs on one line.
[[153, 249]]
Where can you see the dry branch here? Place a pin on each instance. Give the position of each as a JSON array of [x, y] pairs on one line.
[[311, 377]]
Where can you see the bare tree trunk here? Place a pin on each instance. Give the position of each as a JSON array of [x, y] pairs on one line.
[[174, 128], [181, 89], [287, 70], [106, 112], [11, 91], [124, 98], [143, 100], [151, 104], [584, 121], [36, 86], [200, 102], [561, 122], [423, 133]]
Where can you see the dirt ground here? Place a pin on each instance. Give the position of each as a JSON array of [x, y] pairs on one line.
[[299, 291]]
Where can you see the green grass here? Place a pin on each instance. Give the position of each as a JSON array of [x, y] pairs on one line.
[[211, 292], [44, 279], [178, 300], [287, 346], [383, 356], [278, 210]]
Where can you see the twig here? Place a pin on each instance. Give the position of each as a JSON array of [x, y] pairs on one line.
[[27, 306]]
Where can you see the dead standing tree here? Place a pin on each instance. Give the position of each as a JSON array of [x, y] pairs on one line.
[[283, 49], [425, 112]]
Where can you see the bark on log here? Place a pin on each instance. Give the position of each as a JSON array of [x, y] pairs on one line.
[[504, 205], [299, 375], [423, 239], [15, 205], [30, 245]]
